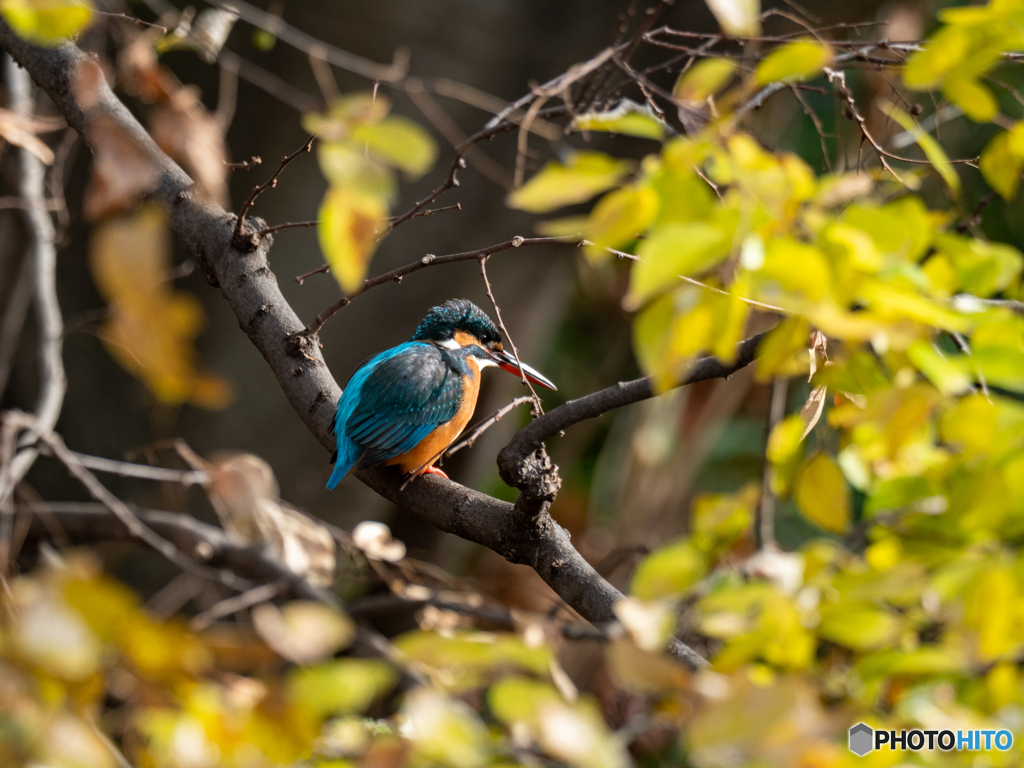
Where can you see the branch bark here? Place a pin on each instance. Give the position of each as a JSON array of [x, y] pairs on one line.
[[518, 532]]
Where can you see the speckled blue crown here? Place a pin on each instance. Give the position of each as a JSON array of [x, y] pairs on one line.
[[442, 322]]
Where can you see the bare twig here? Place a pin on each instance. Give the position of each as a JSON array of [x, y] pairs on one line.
[[429, 260], [42, 255], [482, 426], [142, 471], [501, 324], [18, 421], [245, 165], [254, 596], [258, 190]]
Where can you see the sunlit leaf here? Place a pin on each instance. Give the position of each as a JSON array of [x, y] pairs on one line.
[[667, 571], [822, 495], [351, 223], [947, 377], [47, 22], [705, 78], [399, 142], [793, 62], [619, 217], [444, 731], [783, 352], [628, 119], [972, 97], [1002, 161], [582, 176], [672, 250], [740, 18], [931, 148], [859, 626], [302, 631], [340, 686]]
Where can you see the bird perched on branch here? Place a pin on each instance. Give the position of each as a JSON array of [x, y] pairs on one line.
[[407, 405]]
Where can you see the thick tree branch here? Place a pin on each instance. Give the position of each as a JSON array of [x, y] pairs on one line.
[[252, 291]]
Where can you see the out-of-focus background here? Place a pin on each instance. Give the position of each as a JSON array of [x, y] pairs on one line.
[[628, 476]]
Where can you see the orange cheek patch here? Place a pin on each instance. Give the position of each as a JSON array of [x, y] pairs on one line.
[[464, 339]]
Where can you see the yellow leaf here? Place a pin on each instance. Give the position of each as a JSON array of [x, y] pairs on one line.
[[345, 113], [628, 119], [47, 22], [584, 175], [947, 377], [672, 250], [619, 217], [860, 626], [668, 571], [399, 142], [739, 18], [793, 62], [972, 97], [151, 327], [784, 350], [705, 78], [931, 148], [303, 631], [822, 495], [351, 223], [340, 686], [1002, 161]]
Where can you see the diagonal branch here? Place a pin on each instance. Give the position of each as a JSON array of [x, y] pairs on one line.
[[251, 289]]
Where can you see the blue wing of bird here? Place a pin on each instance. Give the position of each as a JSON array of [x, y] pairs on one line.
[[391, 403]]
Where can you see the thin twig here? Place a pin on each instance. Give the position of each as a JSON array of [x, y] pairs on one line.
[[184, 477], [429, 260], [482, 426], [42, 254], [254, 596], [501, 324], [15, 421], [245, 165], [259, 189]]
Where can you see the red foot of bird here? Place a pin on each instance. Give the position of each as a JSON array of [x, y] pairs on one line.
[[435, 471]]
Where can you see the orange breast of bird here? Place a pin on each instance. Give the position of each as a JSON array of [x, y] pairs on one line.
[[436, 443]]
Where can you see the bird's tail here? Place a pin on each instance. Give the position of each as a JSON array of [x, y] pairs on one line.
[[348, 455]]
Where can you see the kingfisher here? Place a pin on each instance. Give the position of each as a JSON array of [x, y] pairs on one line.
[[407, 405]]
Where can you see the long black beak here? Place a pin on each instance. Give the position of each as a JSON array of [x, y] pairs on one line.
[[507, 362]]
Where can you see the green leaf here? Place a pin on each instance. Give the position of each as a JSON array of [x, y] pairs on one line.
[[972, 97], [652, 331], [705, 78], [942, 54], [822, 495], [351, 223], [947, 377], [783, 352], [519, 700], [793, 62], [47, 22], [670, 570], [628, 119], [341, 686], [398, 142], [1002, 161], [931, 148], [463, 661], [739, 18], [672, 250], [982, 267], [620, 217], [861, 626], [583, 176]]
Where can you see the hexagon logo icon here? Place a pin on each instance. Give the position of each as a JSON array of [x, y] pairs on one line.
[[861, 739]]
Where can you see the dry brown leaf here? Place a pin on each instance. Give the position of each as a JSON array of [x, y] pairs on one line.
[[818, 346], [812, 409], [21, 131], [244, 493], [191, 135], [122, 170]]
